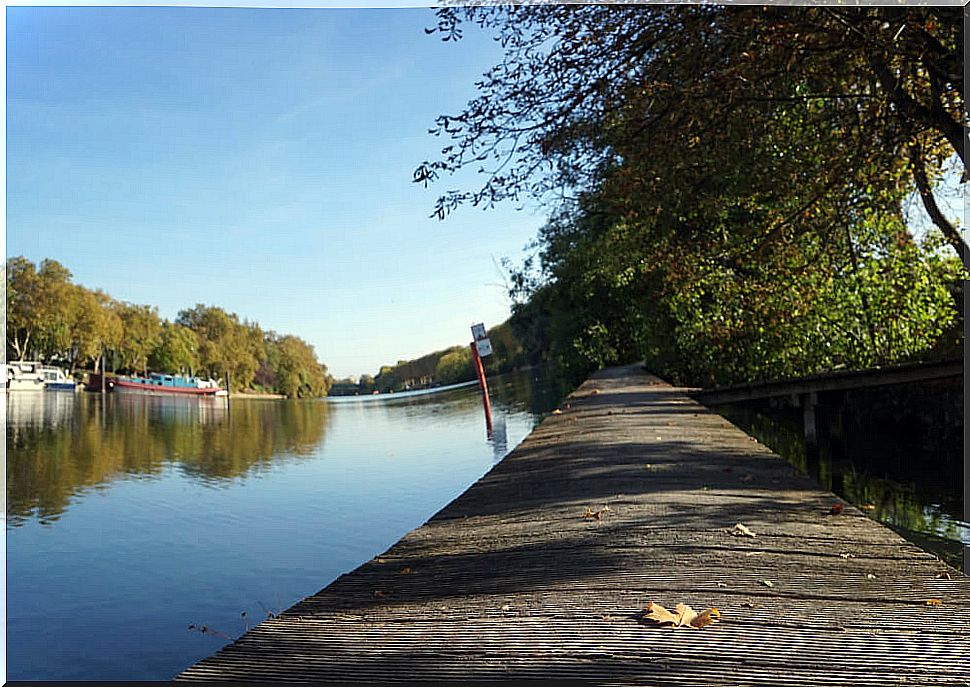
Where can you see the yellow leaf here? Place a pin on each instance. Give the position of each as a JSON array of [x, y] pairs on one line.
[[705, 618], [595, 514], [934, 602], [683, 616], [659, 614], [741, 531]]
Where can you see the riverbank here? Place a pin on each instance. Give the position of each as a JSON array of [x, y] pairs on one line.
[[528, 574], [249, 393]]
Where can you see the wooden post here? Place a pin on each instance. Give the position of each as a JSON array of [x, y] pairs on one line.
[[480, 372], [103, 371], [809, 401]]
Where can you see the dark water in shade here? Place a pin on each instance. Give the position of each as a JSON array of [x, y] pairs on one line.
[[131, 517], [898, 448]]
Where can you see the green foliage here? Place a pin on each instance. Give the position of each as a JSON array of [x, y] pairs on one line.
[[455, 366], [142, 333], [177, 352], [735, 175], [225, 344], [297, 371], [51, 319]]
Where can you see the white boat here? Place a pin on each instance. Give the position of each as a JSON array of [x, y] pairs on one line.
[[23, 376], [55, 379], [33, 376]]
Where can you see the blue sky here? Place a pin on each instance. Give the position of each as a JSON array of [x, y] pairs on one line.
[[258, 160]]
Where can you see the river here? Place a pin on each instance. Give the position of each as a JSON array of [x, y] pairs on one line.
[[134, 521], [132, 518]]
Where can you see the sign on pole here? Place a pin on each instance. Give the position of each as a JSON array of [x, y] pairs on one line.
[[482, 342]]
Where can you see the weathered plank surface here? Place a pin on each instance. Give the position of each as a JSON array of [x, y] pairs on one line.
[[509, 581]]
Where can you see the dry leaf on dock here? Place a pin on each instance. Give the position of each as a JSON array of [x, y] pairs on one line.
[[934, 602], [682, 616], [741, 530], [595, 514]]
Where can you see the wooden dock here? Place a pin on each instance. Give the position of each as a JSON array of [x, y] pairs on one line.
[[510, 581]]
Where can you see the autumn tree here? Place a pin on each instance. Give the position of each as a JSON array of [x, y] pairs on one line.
[[298, 372], [583, 87], [725, 182], [95, 326], [142, 333], [177, 350]]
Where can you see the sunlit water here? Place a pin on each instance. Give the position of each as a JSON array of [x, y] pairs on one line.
[[130, 518]]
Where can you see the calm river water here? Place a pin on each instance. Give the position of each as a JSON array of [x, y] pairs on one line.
[[130, 518]]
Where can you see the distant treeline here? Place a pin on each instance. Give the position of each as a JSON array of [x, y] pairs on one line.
[[450, 366], [51, 319]]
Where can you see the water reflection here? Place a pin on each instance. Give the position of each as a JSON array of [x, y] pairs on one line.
[[60, 445], [895, 449], [117, 540]]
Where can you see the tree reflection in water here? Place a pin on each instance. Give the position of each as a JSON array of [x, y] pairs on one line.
[[61, 444]]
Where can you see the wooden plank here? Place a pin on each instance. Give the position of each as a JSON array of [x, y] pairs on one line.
[[510, 581], [833, 381]]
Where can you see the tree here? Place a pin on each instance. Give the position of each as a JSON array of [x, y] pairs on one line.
[[734, 179], [177, 351], [22, 316], [299, 373], [142, 329], [95, 326], [585, 88], [455, 366], [224, 343]]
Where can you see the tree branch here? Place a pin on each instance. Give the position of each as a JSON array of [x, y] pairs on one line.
[[929, 202]]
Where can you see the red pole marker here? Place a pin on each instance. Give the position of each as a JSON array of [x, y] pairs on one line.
[[480, 372]]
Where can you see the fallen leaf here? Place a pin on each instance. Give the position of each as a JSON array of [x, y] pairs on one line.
[[683, 616], [705, 618], [741, 530], [595, 514], [836, 509], [870, 576], [934, 602], [846, 555], [768, 583], [557, 412], [380, 560], [721, 584], [944, 576], [868, 506]]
